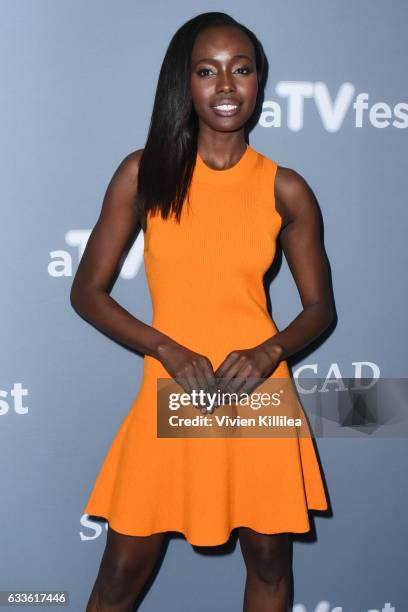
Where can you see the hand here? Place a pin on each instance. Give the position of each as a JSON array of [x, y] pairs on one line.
[[257, 362], [191, 370]]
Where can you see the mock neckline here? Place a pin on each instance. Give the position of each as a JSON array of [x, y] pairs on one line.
[[203, 174]]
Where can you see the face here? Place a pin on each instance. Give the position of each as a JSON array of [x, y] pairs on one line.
[[223, 69]]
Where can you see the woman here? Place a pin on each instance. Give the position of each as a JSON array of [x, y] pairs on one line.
[[211, 208]]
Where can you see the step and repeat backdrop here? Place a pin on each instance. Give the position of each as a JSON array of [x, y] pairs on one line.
[[78, 81]]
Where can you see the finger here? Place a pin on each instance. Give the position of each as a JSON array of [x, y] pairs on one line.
[[229, 374], [201, 377], [224, 380], [208, 379], [201, 382], [251, 383], [225, 365], [237, 382], [196, 386], [208, 374], [184, 382]]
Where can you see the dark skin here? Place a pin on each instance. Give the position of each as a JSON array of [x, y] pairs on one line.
[[128, 560]]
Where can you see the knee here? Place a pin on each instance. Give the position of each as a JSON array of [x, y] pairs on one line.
[[115, 584], [269, 567]]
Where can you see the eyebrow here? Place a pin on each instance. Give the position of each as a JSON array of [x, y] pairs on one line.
[[212, 59]]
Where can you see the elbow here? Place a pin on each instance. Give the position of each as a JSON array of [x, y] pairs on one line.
[[81, 299], [86, 300], [328, 315], [75, 299], [323, 314]]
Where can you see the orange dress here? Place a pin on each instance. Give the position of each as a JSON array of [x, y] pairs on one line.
[[205, 278]]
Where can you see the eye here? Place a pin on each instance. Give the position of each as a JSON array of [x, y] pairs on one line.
[[247, 68], [202, 70]]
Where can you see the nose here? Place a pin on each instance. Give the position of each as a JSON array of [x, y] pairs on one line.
[[225, 81]]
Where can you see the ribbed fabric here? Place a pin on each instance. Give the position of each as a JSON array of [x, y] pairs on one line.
[[205, 277]]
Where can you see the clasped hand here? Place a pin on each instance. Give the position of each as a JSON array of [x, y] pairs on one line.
[[235, 374]]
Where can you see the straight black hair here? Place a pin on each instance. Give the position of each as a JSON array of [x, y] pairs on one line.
[[167, 162]]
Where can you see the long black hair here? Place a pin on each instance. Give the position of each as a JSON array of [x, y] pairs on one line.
[[167, 162]]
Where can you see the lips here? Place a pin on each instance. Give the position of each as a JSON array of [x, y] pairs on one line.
[[226, 101], [226, 112]]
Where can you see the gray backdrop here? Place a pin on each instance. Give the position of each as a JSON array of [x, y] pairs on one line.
[[78, 80]]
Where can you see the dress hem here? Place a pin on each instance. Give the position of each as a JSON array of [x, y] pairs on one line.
[[188, 538]]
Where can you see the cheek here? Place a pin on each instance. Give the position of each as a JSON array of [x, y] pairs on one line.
[[201, 94], [249, 87], [249, 93]]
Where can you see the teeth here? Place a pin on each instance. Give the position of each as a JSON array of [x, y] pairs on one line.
[[226, 106]]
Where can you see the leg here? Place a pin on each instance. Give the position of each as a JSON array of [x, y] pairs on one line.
[[126, 564], [266, 557]]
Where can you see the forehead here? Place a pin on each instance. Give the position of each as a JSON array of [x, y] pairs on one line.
[[220, 43]]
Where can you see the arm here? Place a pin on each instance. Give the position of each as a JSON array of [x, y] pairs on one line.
[[303, 249], [89, 293], [304, 252]]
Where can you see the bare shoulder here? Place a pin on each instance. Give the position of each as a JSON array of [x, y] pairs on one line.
[[133, 158], [129, 166], [110, 236], [122, 186], [293, 195]]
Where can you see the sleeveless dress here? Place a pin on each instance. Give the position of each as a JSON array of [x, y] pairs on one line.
[[205, 277]]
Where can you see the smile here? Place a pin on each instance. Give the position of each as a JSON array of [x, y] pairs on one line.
[[226, 109]]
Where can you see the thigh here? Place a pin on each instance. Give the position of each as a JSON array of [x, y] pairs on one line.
[[263, 548], [125, 554]]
